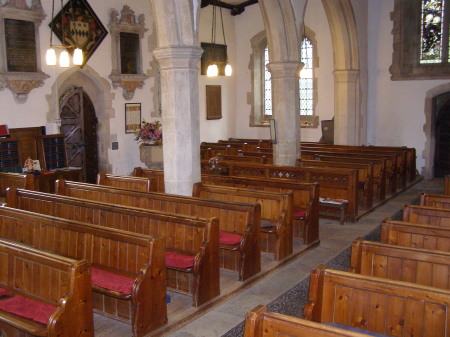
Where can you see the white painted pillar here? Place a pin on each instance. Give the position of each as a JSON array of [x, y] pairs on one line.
[[180, 116], [286, 111], [347, 121]]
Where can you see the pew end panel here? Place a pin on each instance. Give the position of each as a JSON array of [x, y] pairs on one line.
[[156, 175], [384, 306], [426, 215], [435, 200], [127, 182]]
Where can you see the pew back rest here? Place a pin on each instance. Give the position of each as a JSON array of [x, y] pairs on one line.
[[43, 275], [435, 200], [181, 232], [381, 305], [273, 205], [126, 182], [421, 266], [157, 177], [233, 217], [15, 180], [261, 323], [427, 215], [409, 234]]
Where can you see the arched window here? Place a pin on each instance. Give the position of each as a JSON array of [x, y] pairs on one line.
[[421, 39], [307, 78], [267, 86]]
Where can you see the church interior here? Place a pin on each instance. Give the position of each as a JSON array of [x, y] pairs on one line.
[[224, 168]]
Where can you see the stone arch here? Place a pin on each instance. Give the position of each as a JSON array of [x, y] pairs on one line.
[[349, 121], [430, 116], [99, 91]]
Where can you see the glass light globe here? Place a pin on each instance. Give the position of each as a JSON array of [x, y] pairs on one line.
[[78, 57], [212, 70], [50, 57], [228, 70], [64, 61]]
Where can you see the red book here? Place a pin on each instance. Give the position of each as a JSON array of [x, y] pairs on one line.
[[4, 131]]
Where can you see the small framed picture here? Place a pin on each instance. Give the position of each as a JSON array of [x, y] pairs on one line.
[[132, 117], [273, 130]]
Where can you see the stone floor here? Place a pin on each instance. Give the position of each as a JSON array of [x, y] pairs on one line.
[[334, 239]]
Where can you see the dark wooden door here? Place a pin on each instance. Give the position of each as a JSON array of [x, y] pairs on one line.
[[442, 136], [79, 127]]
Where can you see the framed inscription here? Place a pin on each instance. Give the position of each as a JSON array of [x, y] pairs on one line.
[[20, 40], [132, 117], [129, 53], [216, 52], [213, 102]]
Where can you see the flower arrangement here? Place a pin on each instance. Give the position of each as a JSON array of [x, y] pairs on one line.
[[149, 133], [215, 161]]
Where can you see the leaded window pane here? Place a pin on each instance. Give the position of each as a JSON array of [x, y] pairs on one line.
[[307, 79], [432, 31], [267, 86]]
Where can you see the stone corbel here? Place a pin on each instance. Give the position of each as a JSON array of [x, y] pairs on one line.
[[129, 83], [21, 84]]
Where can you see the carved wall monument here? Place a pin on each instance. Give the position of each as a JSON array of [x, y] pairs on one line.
[[126, 35], [20, 65]]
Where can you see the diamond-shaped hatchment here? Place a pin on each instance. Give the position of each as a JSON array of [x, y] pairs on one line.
[[79, 27]]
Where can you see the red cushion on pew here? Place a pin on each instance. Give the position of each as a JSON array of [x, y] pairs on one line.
[[24, 307], [299, 213], [179, 260], [111, 281], [3, 292], [229, 239]]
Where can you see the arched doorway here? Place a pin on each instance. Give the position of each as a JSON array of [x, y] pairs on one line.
[[442, 136], [79, 127]]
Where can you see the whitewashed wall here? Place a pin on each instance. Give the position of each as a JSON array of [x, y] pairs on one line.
[[395, 108]]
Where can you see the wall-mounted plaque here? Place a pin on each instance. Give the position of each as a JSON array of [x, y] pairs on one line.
[[20, 40], [213, 102], [129, 53]]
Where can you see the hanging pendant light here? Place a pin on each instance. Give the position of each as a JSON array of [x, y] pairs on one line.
[[64, 59], [228, 69]]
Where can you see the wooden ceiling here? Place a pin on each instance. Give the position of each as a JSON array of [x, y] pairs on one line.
[[236, 7]]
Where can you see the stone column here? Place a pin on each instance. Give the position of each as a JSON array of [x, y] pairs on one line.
[[347, 121], [286, 111], [180, 116]]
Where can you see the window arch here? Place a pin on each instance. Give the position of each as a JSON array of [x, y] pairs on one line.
[[421, 39]]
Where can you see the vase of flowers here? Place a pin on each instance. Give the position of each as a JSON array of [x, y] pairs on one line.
[[149, 133]]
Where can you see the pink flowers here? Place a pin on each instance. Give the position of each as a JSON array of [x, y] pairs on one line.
[[149, 132]]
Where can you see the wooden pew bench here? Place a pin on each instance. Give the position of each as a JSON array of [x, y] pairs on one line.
[[409, 234], [192, 244], [261, 323], [15, 180], [126, 182], [365, 176], [45, 294], [334, 183], [427, 215], [384, 306], [421, 266], [276, 214], [435, 200], [305, 200], [137, 295], [238, 221], [156, 176]]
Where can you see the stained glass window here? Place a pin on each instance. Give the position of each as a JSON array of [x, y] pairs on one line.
[[307, 79], [432, 31], [267, 86]]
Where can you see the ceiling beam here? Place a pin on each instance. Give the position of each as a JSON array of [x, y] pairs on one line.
[[234, 9]]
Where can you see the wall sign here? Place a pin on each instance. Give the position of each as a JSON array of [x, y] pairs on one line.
[[132, 117]]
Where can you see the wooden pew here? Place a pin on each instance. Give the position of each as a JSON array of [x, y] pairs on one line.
[[261, 323], [447, 184], [261, 159], [234, 218], [51, 294], [305, 200], [427, 215], [421, 266], [379, 169], [435, 200], [390, 165], [126, 182], [157, 177], [409, 234], [15, 180], [385, 306], [194, 240], [135, 261], [334, 183], [268, 156], [276, 214], [365, 175]]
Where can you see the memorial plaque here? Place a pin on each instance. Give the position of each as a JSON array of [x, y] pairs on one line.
[[129, 53], [20, 46]]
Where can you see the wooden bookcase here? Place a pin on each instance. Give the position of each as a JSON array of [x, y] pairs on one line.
[[9, 156], [52, 152]]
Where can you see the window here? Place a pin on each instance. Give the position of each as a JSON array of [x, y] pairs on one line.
[[267, 86], [421, 39], [307, 79]]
